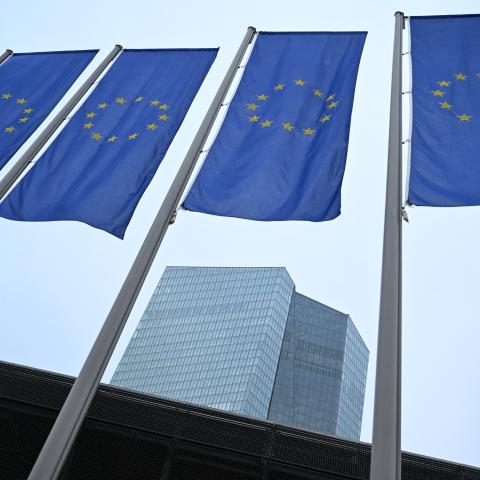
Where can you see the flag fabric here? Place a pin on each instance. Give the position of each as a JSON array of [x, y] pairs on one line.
[[31, 85], [444, 164], [101, 163], [280, 153]]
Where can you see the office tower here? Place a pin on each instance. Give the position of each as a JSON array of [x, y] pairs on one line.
[[243, 340]]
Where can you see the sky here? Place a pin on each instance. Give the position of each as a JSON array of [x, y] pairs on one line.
[[58, 280]]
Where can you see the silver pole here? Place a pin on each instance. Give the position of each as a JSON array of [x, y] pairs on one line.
[[24, 161], [386, 441], [60, 440], [6, 55]]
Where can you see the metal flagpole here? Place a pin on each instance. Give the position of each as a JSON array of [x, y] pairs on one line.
[[6, 55], [24, 161], [386, 446], [60, 440]]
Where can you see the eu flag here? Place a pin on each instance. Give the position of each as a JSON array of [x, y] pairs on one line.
[[31, 84], [445, 164], [280, 153], [101, 163]]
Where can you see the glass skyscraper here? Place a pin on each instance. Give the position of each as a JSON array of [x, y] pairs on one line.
[[243, 340]]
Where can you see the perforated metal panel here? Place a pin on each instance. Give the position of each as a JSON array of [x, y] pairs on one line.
[[206, 468], [100, 454], [130, 436], [339, 457]]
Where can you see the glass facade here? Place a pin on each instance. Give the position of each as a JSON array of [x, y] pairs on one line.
[[354, 378], [243, 340], [211, 336], [322, 371]]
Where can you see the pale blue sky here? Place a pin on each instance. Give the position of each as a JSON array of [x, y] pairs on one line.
[[58, 280]]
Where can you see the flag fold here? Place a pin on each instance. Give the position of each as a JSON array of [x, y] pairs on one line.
[[280, 153], [444, 163], [98, 167], [31, 85]]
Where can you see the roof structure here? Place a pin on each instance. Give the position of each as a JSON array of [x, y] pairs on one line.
[[130, 436]]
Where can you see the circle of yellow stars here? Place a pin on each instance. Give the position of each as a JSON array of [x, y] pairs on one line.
[[24, 115], [112, 137], [442, 89], [254, 108]]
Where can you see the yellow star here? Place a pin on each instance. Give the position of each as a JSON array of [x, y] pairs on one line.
[[288, 126], [255, 118], [331, 97], [280, 86], [9, 129], [120, 100], [332, 105], [478, 75], [446, 105], [88, 125], [464, 117], [152, 126], [112, 138], [325, 118], [28, 110], [266, 123], [164, 107], [23, 120], [443, 83], [438, 93], [133, 136], [6, 96], [102, 105], [155, 102], [252, 106], [262, 97], [139, 99], [96, 136], [300, 83], [318, 93], [163, 117], [308, 131], [89, 115], [21, 101], [460, 76]]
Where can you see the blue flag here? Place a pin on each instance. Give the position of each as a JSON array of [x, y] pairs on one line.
[[31, 85], [445, 165], [280, 153], [101, 163]]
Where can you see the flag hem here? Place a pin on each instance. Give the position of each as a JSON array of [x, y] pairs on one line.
[[55, 52]]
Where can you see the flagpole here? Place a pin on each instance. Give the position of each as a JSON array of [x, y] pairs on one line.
[[24, 161], [386, 440], [60, 440], [6, 55]]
